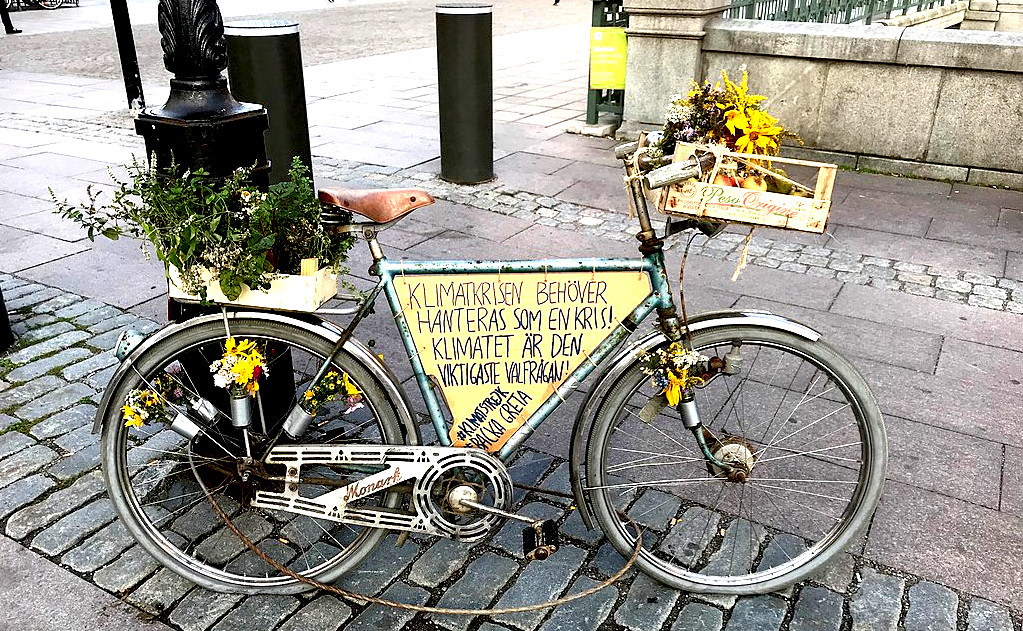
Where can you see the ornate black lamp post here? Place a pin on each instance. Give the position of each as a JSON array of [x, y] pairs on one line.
[[201, 124]]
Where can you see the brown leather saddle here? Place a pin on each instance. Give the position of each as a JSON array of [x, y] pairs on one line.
[[379, 205]]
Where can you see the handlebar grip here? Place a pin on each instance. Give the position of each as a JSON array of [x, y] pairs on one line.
[[678, 171], [672, 173], [624, 151]]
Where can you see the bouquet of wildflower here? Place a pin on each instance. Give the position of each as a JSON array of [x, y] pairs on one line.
[[144, 404], [330, 387], [240, 368], [673, 369], [723, 114]]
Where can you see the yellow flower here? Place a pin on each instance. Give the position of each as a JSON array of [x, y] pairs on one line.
[[735, 119], [740, 92], [759, 133], [350, 389], [243, 370], [131, 417], [308, 395], [674, 390], [238, 348]]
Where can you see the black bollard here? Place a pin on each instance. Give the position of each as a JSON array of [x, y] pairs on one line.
[[264, 65], [465, 86], [6, 335]]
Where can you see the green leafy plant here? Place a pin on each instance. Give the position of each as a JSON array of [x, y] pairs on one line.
[[195, 222]]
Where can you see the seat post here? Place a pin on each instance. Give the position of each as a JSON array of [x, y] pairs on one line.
[[375, 250]]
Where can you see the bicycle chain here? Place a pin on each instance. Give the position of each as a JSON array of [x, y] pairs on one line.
[[363, 598]]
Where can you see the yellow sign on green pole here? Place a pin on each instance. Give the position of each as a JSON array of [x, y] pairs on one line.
[[607, 58]]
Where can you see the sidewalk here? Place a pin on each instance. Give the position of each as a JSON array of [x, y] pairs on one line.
[[919, 282]]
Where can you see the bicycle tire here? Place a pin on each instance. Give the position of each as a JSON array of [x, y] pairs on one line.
[[700, 537], [156, 477], [50, 4]]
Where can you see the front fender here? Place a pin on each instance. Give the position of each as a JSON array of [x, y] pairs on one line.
[[628, 355], [326, 330]]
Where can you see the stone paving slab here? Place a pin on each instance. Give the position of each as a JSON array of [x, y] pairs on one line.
[[948, 541], [49, 598]]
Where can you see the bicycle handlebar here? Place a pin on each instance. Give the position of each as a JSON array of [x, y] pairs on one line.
[[661, 171]]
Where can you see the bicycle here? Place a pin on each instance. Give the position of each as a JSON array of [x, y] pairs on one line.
[[770, 460], [43, 4]]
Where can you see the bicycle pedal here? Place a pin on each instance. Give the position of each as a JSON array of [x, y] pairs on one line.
[[540, 540]]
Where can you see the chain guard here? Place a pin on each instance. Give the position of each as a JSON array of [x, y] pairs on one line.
[[427, 466]]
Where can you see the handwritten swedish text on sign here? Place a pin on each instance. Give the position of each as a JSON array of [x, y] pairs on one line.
[[500, 345]]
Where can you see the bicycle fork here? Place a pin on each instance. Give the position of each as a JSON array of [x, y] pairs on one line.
[[673, 330]]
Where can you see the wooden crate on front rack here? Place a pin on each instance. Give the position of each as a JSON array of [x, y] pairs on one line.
[[807, 210]]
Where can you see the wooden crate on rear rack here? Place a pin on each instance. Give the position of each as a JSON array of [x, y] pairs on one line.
[[806, 210], [305, 292]]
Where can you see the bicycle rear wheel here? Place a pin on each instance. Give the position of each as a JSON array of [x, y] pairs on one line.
[[159, 480], [797, 413]]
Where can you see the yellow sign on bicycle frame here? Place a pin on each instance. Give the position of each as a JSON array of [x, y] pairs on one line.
[[499, 345]]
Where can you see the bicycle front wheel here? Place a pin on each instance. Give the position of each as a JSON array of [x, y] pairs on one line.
[[160, 481], [798, 416]]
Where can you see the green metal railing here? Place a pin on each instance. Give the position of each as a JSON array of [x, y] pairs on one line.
[[832, 11]]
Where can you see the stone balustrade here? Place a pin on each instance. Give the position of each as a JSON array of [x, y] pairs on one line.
[[944, 104]]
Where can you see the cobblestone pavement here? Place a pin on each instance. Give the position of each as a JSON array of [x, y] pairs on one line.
[[53, 502]]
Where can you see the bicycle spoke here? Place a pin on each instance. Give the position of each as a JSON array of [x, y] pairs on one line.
[[794, 453], [668, 482], [804, 428]]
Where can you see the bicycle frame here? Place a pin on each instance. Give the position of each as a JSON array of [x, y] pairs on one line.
[[659, 298]]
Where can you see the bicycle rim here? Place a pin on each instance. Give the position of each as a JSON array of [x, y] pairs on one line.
[[797, 415], [152, 472]]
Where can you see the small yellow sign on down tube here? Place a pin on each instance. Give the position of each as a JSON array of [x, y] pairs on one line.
[[500, 345]]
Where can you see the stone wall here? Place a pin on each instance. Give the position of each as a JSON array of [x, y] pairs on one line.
[[944, 104]]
